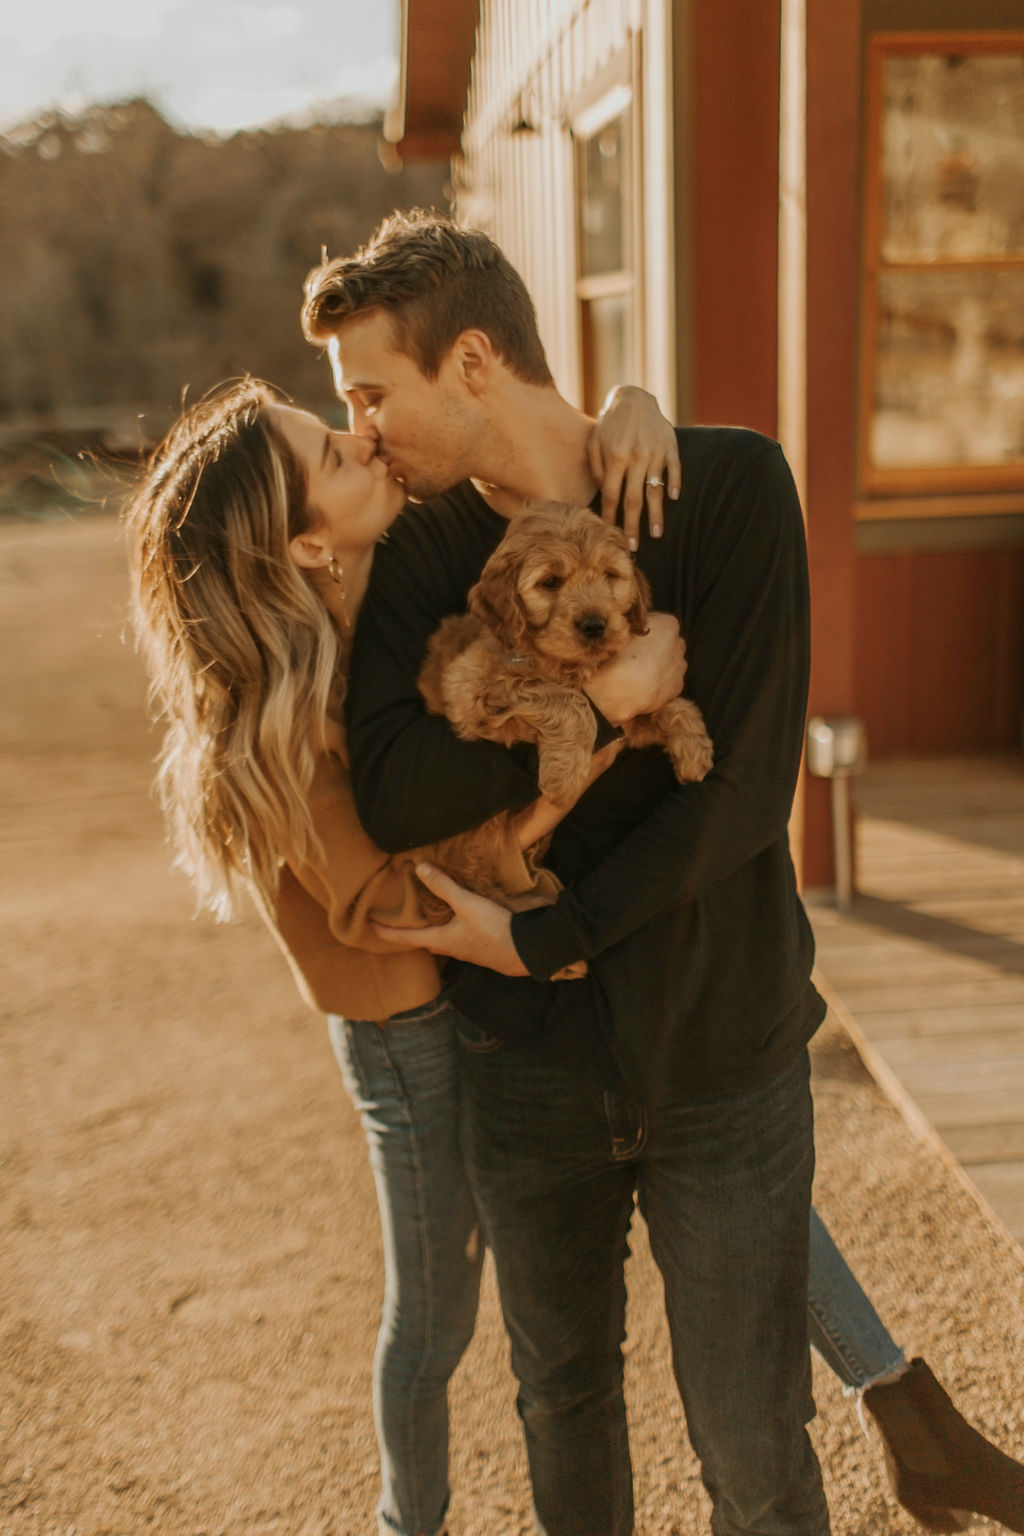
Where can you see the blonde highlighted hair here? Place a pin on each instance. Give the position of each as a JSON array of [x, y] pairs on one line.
[[243, 659]]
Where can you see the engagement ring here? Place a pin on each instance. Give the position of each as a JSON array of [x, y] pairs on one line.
[[654, 482]]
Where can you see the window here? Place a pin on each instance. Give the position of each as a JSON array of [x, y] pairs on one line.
[[605, 286], [942, 408]]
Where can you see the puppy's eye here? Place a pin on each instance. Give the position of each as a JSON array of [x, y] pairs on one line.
[[551, 583], [613, 575]]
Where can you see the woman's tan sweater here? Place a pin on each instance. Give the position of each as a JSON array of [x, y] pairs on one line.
[[324, 910]]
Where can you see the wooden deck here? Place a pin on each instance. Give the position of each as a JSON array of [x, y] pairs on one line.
[[929, 958]]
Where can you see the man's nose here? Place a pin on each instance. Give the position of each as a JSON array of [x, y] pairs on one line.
[[360, 423]]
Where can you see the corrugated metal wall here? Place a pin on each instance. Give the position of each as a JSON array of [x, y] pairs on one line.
[[534, 60]]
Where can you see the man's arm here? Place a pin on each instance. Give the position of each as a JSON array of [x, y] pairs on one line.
[[749, 663], [749, 631]]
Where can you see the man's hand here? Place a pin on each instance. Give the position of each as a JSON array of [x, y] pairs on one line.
[[634, 458], [480, 930], [647, 674]]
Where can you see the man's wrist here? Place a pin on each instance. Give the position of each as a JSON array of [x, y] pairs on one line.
[[607, 730], [545, 940]]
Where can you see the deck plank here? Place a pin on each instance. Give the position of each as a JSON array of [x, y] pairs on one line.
[[917, 1020], [985, 1107], [992, 1046], [929, 957], [989, 1143], [1002, 1185], [943, 999]]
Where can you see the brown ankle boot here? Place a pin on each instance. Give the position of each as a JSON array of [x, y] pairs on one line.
[[937, 1464]]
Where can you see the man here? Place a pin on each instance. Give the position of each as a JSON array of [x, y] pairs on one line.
[[677, 1070]]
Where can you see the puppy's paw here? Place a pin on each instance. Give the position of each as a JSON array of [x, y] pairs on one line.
[[682, 729], [692, 757]]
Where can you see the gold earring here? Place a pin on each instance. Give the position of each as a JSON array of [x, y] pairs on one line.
[[337, 575]]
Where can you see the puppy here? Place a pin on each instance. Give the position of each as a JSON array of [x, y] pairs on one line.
[[559, 597]]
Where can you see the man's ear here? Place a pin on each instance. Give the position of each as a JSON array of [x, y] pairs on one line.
[[309, 551], [474, 358]]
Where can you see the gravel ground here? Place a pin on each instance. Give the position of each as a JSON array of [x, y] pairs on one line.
[[191, 1270]]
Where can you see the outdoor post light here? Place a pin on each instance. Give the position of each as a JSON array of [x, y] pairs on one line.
[[837, 749]]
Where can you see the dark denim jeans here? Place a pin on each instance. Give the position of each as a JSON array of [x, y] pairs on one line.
[[725, 1185]]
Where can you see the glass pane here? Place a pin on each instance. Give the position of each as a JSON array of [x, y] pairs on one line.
[[952, 165], [605, 346], [602, 195], [949, 378]]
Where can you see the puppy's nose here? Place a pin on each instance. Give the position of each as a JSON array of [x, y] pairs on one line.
[[591, 626]]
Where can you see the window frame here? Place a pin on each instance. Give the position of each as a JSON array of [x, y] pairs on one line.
[[613, 94], [958, 489]]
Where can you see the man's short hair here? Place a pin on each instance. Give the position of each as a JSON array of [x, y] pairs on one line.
[[435, 279]]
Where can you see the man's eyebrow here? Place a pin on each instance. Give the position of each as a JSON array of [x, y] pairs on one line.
[[327, 449]]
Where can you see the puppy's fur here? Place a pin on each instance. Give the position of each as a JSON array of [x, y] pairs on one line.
[[559, 597]]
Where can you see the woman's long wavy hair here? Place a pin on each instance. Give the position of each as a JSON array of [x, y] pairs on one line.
[[243, 658]]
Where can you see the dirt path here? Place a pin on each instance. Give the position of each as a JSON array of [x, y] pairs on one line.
[[191, 1273]]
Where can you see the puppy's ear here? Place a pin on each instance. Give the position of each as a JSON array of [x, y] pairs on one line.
[[495, 602], [636, 614]]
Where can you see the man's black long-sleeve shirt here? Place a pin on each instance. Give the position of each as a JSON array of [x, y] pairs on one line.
[[682, 898]]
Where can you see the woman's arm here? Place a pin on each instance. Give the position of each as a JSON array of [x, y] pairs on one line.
[[349, 878]]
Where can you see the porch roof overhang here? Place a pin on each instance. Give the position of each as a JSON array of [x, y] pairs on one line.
[[438, 37]]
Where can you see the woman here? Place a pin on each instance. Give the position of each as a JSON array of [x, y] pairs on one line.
[[251, 539]]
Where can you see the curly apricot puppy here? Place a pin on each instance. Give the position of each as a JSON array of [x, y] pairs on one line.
[[559, 597]]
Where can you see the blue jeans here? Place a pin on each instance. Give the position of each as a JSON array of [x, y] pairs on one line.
[[724, 1185], [846, 1330], [404, 1081]]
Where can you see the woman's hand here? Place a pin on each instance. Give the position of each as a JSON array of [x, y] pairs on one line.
[[644, 676], [479, 931], [634, 456]]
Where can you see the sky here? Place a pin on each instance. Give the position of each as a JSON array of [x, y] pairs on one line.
[[215, 65]]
